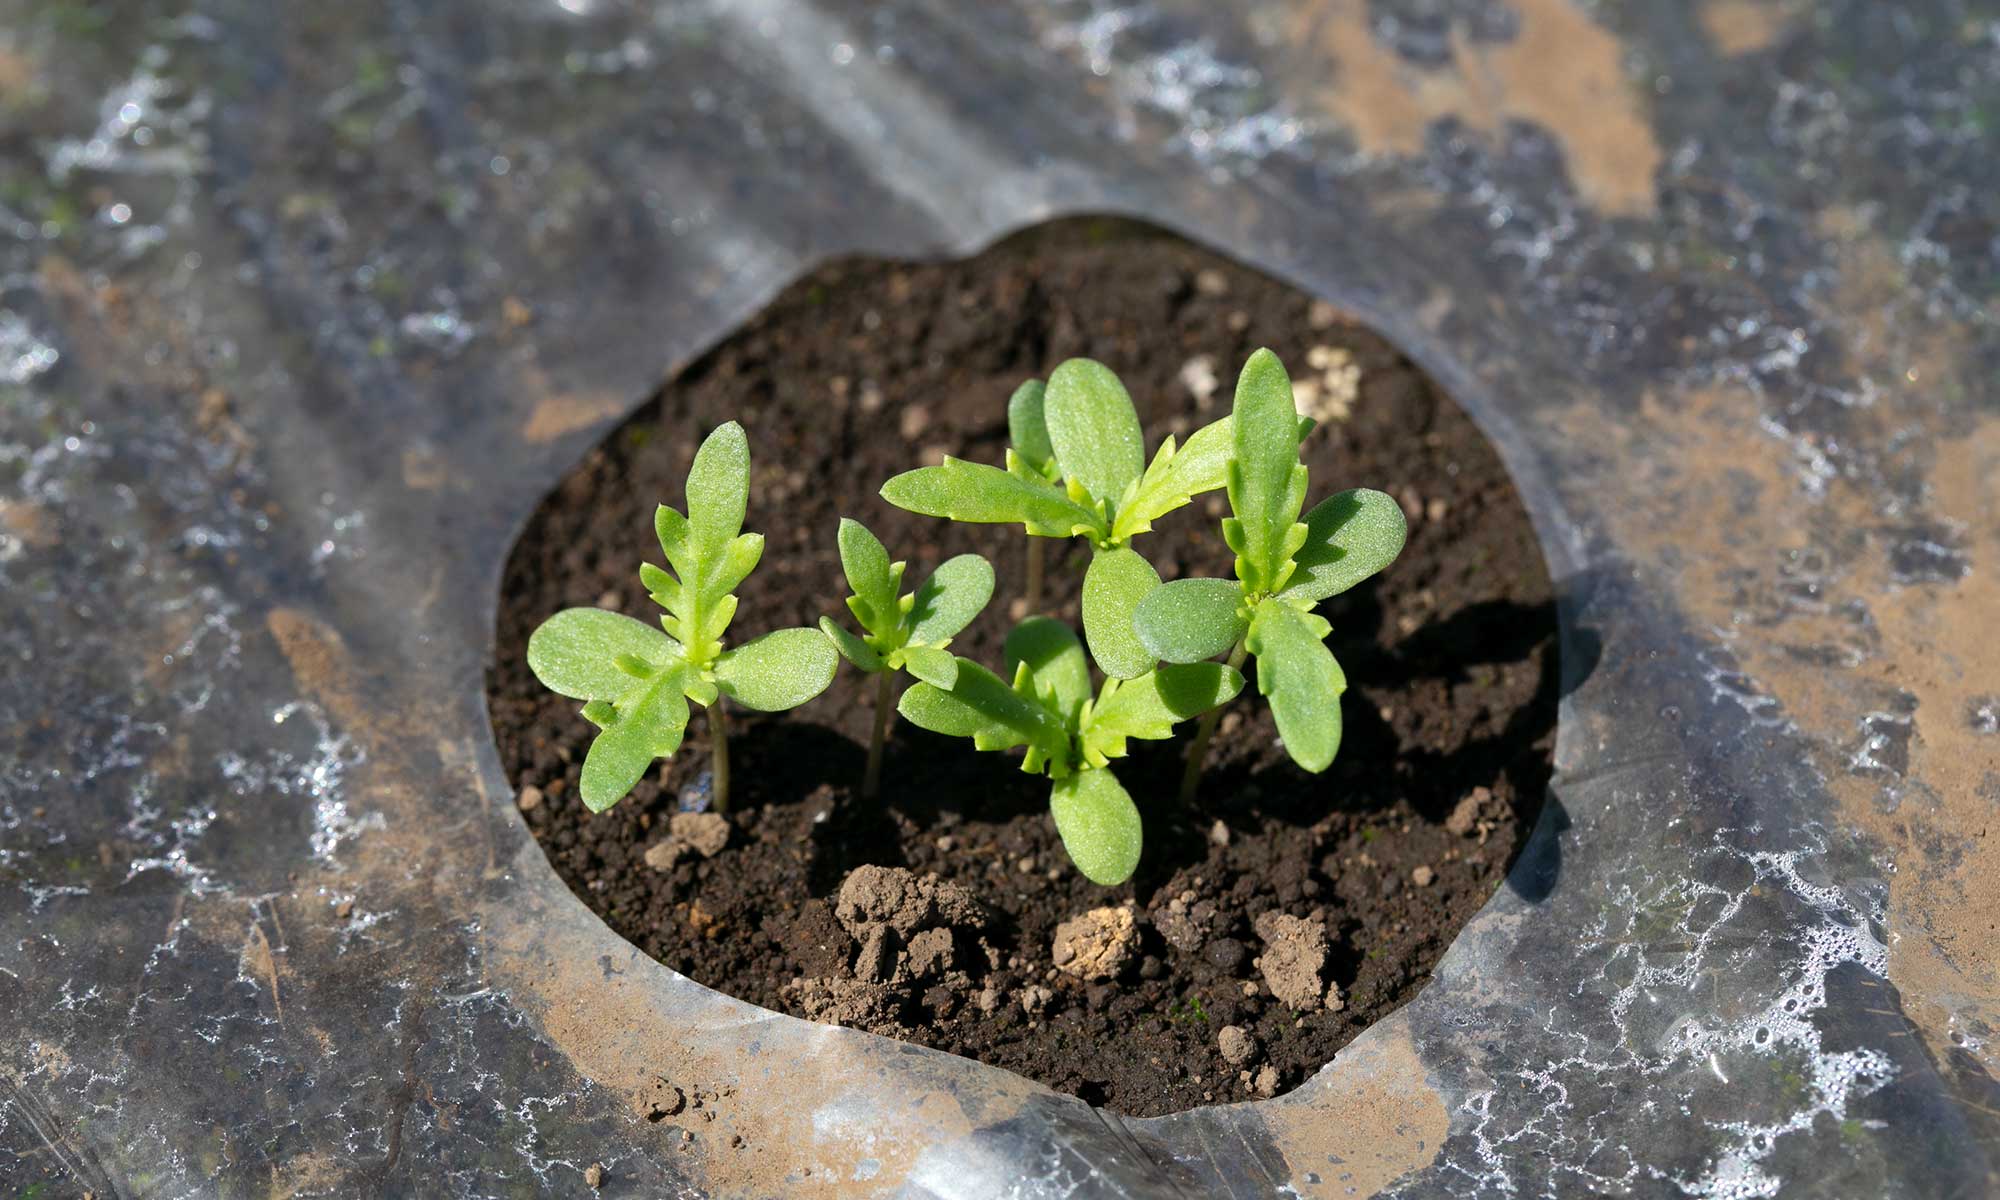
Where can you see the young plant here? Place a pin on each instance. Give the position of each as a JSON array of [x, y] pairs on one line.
[[902, 631], [1070, 735], [637, 681], [1078, 469], [1284, 567]]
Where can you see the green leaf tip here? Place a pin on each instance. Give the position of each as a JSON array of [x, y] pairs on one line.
[[1114, 584], [1099, 825], [1267, 482], [1191, 619], [1093, 429], [983, 495], [780, 670], [1300, 679], [1349, 536], [1028, 429]]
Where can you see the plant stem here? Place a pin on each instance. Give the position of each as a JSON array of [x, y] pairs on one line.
[[1191, 776], [718, 749], [1033, 590], [871, 779]]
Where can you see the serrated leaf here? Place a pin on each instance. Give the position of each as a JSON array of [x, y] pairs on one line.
[[1191, 619], [852, 648], [1300, 679], [646, 724], [1028, 429], [718, 488], [1099, 825], [1054, 661], [1350, 535], [1266, 481], [1116, 581], [780, 670], [866, 564], [1176, 475], [950, 598], [996, 717], [1093, 429], [932, 665], [978, 494], [1150, 706], [574, 653]]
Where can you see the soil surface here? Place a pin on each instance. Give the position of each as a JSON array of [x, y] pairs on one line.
[[1267, 925]]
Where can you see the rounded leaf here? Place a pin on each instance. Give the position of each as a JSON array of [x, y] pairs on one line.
[[1093, 428], [781, 670], [1099, 825], [1191, 619], [718, 487], [950, 598], [1028, 428], [1350, 535], [1301, 681], [866, 565], [1113, 586], [575, 652]]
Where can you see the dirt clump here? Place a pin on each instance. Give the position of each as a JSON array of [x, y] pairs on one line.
[[1097, 945]]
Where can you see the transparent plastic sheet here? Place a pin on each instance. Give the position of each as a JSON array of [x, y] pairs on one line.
[[302, 307]]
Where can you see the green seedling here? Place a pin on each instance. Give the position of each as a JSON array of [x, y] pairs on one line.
[[902, 631], [1284, 567], [637, 680], [1070, 735], [1077, 468]]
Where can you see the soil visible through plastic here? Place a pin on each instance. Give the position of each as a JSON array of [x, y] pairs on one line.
[[1269, 923]]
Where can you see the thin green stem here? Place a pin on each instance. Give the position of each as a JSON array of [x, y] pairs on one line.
[[871, 779], [718, 739], [1032, 592], [1198, 751]]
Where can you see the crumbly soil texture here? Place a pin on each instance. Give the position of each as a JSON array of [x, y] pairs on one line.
[[1271, 921]]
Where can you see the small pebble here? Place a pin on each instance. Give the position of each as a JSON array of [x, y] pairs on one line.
[[916, 419], [1237, 1046], [594, 1175], [1211, 282], [945, 844], [1218, 833], [530, 799], [661, 856], [1422, 876], [1267, 1081]]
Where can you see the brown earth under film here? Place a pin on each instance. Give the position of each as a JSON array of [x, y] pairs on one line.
[[1339, 890]]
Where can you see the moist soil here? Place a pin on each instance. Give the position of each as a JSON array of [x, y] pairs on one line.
[[1339, 890]]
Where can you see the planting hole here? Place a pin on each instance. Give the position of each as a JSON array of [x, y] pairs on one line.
[[867, 369]]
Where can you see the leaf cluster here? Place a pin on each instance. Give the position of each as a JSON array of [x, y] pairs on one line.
[[905, 631], [1070, 731], [637, 681]]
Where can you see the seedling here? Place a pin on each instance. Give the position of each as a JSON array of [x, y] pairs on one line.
[[637, 681], [902, 631], [1284, 567], [1077, 468], [1070, 735]]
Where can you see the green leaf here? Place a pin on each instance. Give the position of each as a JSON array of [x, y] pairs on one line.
[[1300, 679], [1028, 429], [977, 494], [718, 488], [852, 648], [1150, 706], [1099, 825], [996, 717], [781, 670], [706, 549], [1177, 475], [1094, 429], [932, 665], [646, 724], [1053, 659], [871, 575], [1115, 583], [1349, 536], [950, 598], [575, 652], [1267, 483], [1191, 619]]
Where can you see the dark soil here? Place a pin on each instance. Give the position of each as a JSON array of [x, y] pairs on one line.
[[866, 369]]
